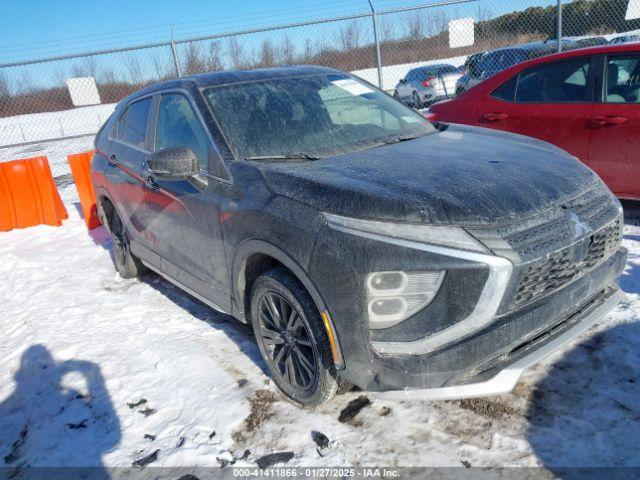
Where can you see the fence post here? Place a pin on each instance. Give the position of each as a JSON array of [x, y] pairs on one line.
[[377, 40], [176, 62], [559, 27]]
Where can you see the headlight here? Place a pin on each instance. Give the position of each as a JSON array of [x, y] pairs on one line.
[[395, 296], [404, 294], [453, 237]]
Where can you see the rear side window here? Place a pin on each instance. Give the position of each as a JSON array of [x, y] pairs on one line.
[[179, 126], [506, 91], [557, 82], [622, 79], [132, 124]]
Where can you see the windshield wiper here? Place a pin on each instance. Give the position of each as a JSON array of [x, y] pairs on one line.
[[289, 156], [400, 138]]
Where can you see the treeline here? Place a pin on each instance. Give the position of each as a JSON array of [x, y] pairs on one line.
[[416, 36], [580, 17], [58, 98]]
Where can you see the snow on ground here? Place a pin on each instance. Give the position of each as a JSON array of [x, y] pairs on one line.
[[97, 370]]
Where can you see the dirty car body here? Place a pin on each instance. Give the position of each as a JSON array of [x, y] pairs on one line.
[[436, 261]]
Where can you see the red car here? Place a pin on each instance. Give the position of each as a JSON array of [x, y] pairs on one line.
[[585, 101]]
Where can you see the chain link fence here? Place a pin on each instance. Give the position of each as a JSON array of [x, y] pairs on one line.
[[54, 106]]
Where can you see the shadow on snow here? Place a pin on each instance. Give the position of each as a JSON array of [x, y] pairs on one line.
[[45, 422]]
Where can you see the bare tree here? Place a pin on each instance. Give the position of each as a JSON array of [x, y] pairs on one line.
[[414, 25], [267, 54], [308, 54], [91, 66], [134, 69], [236, 53], [77, 70], [60, 77], [349, 36], [5, 92], [437, 23], [108, 76], [193, 60], [25, 83], [387, 29], [288, 51], [160, 66], [86, 67], [483, 12], [5, 85], [214, 58]]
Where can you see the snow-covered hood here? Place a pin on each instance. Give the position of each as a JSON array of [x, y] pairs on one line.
[[463, 175]]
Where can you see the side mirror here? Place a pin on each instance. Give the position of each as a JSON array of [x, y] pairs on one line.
[[403, 80], [176, 163]]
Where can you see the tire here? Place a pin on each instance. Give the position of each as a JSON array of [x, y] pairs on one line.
[[415, 98], [296, 350], [396, 95], [127, 264]]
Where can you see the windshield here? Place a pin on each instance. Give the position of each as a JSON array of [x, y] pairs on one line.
[[310, 117]]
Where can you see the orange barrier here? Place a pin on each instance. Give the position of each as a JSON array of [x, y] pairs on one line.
[[79, 163], [28, 195]]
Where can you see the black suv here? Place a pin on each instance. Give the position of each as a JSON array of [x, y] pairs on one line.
[[363, 244]]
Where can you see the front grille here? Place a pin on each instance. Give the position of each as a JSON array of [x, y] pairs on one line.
[[546, 251], [560, 267]]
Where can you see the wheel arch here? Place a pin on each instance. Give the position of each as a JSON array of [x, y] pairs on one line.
[[105, 207], [253, 258]]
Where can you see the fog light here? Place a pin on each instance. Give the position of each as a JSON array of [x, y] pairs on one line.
[[393, 306], [395, 296], [387, 282]]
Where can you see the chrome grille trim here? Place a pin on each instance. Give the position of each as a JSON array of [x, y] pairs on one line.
[[546, 275], [543, 247]]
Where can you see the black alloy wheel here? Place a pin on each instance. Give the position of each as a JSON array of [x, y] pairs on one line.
[[288, 343], [292, 339]]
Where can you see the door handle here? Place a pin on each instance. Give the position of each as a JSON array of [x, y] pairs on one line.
[[605, 120], [151, 184], [495, 116], [113, 160]]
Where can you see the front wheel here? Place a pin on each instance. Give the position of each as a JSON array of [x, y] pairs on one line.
[[292, 339]]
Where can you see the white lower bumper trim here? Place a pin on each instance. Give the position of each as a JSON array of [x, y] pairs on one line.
[[506, 379]]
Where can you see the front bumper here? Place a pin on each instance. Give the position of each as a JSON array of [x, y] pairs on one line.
[[477, 357], [399, 358], [504, 376]]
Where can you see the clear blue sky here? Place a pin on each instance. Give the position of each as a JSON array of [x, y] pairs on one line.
[[41, 28]]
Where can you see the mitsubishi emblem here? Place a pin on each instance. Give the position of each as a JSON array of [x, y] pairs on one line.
[[582, 232], [578, 227]]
